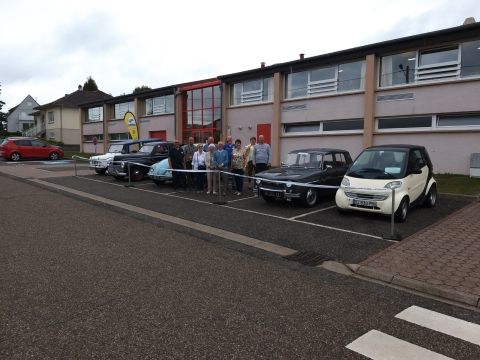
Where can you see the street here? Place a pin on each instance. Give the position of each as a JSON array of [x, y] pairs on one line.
[[82, 278]]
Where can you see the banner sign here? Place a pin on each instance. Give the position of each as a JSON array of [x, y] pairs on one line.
[[131, 123]]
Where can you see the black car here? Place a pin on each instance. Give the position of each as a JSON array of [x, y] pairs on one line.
[[139, 162], [308, 166]]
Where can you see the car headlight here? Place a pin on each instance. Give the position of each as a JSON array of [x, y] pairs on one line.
[[122, 164], [288, 184], [258, 181], [345, 182], [393, 185]]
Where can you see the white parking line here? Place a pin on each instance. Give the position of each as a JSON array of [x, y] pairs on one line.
[[251, 211], [380, 346], [311, 212], [237, 200], [445, 324]]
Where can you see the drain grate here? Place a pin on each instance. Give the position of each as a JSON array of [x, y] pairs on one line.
[[308, 258]]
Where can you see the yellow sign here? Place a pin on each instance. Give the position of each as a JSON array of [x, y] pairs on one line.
[[131, 123]]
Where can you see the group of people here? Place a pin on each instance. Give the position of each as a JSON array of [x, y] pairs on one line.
[[228, 157]]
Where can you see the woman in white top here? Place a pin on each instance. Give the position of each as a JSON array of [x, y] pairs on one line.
[[198, 163]]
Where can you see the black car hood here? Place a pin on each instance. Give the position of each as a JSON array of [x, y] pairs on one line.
[[296, 174]]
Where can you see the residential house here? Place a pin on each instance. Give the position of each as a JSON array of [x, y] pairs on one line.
[[60, 119], [19, 118]]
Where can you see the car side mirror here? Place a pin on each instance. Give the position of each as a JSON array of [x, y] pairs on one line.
[[417, 171]]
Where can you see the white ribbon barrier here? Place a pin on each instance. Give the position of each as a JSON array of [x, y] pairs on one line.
[[392, 235]]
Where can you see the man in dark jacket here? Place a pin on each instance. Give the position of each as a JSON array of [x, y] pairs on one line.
[[176, 160]]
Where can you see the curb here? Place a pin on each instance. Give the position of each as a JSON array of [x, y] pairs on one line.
[[420, 286]]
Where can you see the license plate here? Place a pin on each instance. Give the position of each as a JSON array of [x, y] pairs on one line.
[[364, 203], [273, 193]]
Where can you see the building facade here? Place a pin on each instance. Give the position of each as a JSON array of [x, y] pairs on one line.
[[59, 120], [422, 89], [19, 118]]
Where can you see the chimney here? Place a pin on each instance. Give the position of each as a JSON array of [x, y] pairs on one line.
[[469, 20], [80, 87], [262, 64], [302, 56]]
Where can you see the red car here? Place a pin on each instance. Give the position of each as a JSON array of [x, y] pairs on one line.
[[16, 148]]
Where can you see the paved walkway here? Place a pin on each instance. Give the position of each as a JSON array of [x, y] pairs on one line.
[[442, 259]]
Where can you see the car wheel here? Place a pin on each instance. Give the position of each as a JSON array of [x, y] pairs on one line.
[[15, 156], [158, 182], [54, 156], [311, 197], [101, 171], [431, 198], [402, 211], [137, 174]]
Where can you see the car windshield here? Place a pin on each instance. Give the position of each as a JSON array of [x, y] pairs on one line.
[[379, 164], [303, 159], [115, 148]]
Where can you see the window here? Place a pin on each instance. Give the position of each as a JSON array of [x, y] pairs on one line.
[[328, 161], [337, 78], [122, 108], [23, 142], [38, 143], [89, 138], [327, 126], [302, 127], [404, 122], [397, 69], [51, 118], [118, 137], [438, 64], [94, 114], [343, 125], [470, 58], [202, 113], [340, 159], [159, 105], [252, 91], [458, 120]]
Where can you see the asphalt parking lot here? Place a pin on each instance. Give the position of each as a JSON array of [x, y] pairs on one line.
[[349, 238]]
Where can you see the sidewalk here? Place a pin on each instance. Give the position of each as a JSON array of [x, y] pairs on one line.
[[442, 259]]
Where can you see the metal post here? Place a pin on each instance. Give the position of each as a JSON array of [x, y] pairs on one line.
[[129, 174], [392, 225], [75, 164], [220, 201], [393, 235]]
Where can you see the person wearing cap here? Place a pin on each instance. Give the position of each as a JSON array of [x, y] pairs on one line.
[[176, 161]]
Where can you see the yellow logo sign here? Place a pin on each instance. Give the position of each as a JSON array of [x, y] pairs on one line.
[[131, 123]]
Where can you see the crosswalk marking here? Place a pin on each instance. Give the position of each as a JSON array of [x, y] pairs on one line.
[[379, 346], [445, 324]]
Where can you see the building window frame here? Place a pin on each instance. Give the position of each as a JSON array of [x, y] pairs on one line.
[[241, 96], [89, 138], [116, 137], [324, 85], [319, 128], [159, 105], [94, 114], [51, 117], [120, 109]]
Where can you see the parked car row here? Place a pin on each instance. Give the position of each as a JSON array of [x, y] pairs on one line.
[[365, 184]]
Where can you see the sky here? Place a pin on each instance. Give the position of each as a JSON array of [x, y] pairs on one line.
[[49, 47]]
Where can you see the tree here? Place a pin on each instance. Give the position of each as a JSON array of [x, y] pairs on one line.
[[3, 116], [90, 85], [140, 89]]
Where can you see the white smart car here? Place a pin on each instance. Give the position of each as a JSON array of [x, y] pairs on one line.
[[368, 183]]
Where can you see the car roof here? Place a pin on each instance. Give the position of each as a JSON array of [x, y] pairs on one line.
[[317, 150], [129, 142], [395, 146]]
